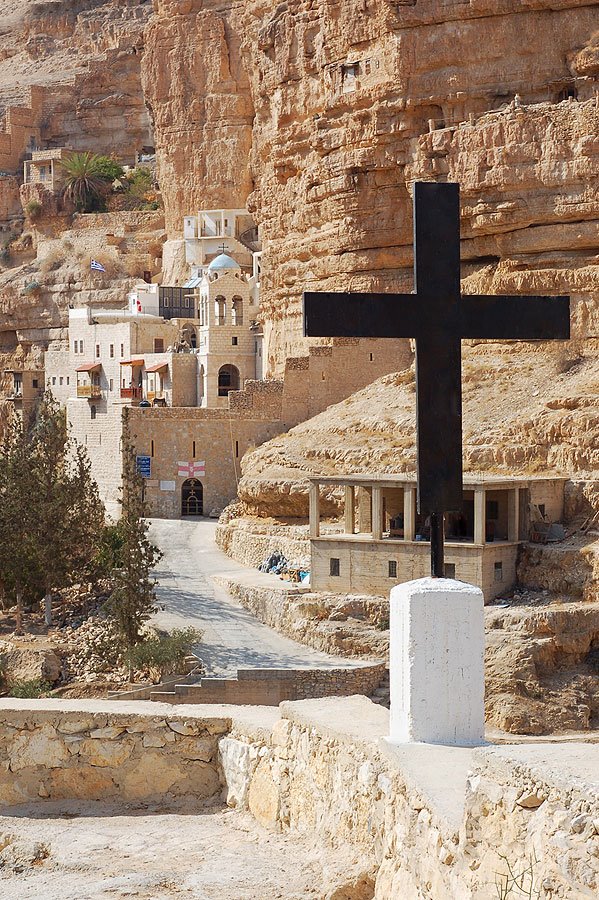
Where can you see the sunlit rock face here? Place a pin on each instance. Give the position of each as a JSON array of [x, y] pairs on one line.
[[319, 115]]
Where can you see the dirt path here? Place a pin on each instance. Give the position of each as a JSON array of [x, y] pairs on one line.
[[84, 851]]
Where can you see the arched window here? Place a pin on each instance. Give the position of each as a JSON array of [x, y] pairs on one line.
[[237, 311], [228, 380], [92, 410], [220, 310]]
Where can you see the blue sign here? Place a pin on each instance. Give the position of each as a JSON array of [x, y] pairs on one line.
[[144, 466]]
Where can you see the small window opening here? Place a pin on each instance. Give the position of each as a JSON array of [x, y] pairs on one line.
[[54, 379], [158, 345], [392, 568], [568, 93], [371, 357], [112, 351], [112, 384], [151, 448], [449, 570], [234, 341], [93, 412], [34, 383], [236, 448], [60, 381], [542, 509], [193, 450], [498, 574], [97, 351], [122, 350], [334, 566]]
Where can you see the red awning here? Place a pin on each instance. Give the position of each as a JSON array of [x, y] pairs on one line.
[[89, 367], [159, 367], [132, 362]]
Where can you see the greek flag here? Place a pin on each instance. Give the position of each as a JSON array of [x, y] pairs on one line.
[[96, 266]]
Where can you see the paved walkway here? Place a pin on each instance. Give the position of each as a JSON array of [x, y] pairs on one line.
[[233, 637]]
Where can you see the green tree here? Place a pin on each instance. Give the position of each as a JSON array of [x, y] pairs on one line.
[[133, 600], [86, 183], [20, 573], [70, 516], [51, 512]]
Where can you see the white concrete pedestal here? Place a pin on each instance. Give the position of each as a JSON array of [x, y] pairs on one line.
[[436, 667]]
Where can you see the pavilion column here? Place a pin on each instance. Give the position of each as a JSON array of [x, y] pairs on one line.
[[364, 510], [377, 514], [350, 517], [314, 510], [513, 515], [409, 513], [479, 515]]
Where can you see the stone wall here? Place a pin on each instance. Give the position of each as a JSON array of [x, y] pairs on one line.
[[430, 821], [98, 750], [426, 821], [251, 543], [351, 626], [269, 687]]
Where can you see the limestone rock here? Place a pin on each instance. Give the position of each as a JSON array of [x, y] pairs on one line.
[[42, 748], [105, 753], [263, 796], [29, 664]]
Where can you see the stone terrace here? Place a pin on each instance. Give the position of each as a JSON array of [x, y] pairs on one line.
[[430, 821]]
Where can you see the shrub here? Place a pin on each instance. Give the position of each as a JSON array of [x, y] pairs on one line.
[[107, 167], [33, 210], [29, 690], [166, 653]]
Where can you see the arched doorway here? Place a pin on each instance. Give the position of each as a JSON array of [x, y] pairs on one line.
[[192, 498], [228, 380]]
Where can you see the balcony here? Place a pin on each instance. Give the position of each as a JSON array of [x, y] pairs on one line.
[[131, 393], [89, 391]]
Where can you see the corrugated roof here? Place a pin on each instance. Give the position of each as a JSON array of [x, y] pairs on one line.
[[158, 367]]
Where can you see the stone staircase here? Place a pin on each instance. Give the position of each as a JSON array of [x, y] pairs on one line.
[[269, 687], [381, 694]]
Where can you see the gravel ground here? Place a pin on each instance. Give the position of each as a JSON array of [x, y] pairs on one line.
[[82, 851]]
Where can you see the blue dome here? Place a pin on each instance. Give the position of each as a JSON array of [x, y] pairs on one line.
[[223, 262]]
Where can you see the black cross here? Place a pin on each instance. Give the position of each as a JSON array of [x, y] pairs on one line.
[[223, 247], [438, 316]]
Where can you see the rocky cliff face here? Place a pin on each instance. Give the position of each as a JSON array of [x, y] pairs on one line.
[[352, 101], [197, 88], [86, 56]]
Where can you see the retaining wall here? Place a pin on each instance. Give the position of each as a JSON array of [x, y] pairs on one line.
[[98, 750], [428, 822], [269, 687]]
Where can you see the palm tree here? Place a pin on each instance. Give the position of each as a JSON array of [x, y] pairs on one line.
[[85, 184]]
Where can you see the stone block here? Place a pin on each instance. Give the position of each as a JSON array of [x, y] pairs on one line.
[[437, 662]]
